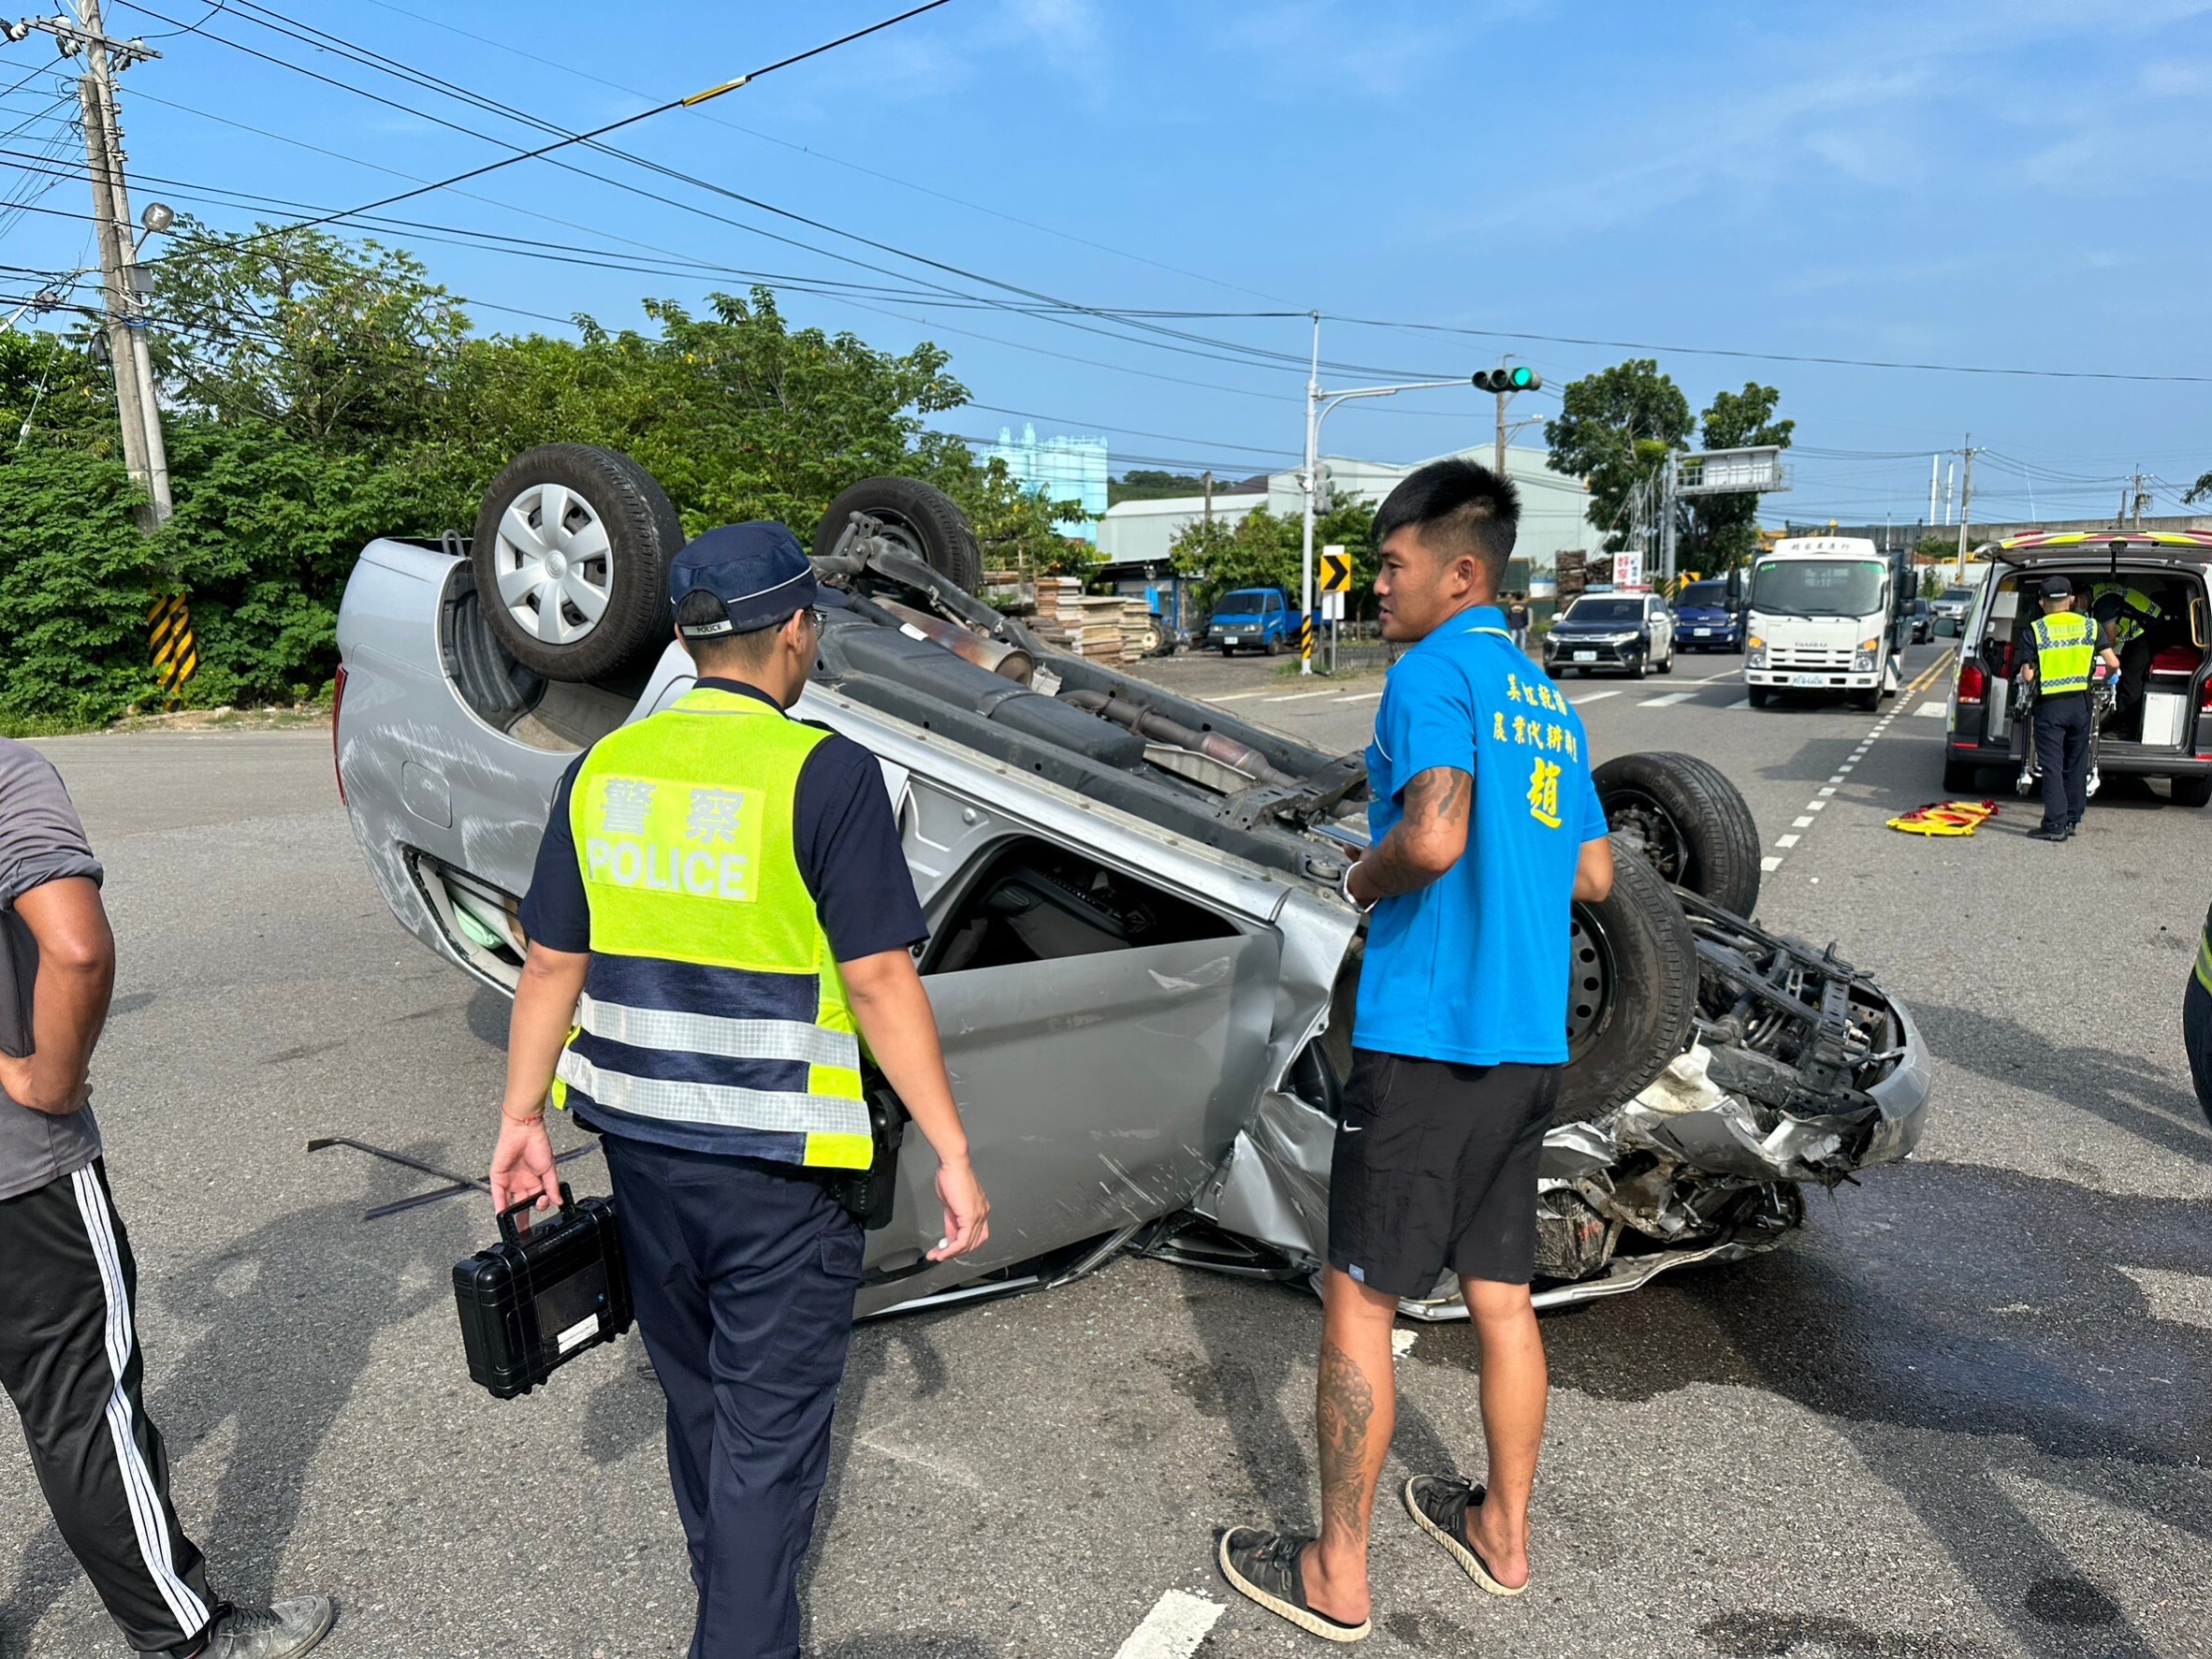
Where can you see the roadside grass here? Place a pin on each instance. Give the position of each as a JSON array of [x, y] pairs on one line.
[[274, 718]]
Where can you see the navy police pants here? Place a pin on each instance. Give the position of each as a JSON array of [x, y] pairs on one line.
[[2062, 750], [742, 1276]]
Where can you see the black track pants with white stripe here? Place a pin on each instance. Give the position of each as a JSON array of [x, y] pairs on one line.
[[70, 1359]]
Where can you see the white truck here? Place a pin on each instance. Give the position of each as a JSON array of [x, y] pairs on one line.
[[1827, 614]]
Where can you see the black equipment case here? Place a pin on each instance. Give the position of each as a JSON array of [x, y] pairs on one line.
[[543, 1294]]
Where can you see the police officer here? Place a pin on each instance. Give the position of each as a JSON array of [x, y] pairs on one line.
[[2065, 652], [2196, 1019], [721, 915]]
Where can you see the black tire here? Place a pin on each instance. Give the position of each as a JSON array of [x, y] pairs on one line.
[[1228, 651], [1688, 821], [1630, 993], [925, 519], [640, 532], [1636, 669], [1758, 695], [2191, 792], [1962, 778], [1865, 702], [1668, 666]]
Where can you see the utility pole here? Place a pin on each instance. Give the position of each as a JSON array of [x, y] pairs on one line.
[[1935, 465], [1965, 506], [137, 404], [1313, 490], [1501, 466], [1209, 497], [2141, 496]]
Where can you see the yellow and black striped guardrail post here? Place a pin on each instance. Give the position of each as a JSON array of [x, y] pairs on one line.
[[176, 654], [1306, 638]]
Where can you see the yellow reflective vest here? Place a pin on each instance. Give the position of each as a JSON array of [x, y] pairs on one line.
[[2065, 651], [712, 999]]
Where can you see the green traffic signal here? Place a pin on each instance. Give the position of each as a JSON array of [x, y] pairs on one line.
[[1520, 378]]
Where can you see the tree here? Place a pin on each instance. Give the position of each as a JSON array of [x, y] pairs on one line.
[[327, 340], [1721, 531], [1139, 485], [1261, 550], [1614, 430]]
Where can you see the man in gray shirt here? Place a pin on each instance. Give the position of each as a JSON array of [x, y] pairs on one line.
[[69, 1334]]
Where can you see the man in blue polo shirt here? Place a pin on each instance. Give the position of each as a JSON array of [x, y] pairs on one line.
[[1484, 826]]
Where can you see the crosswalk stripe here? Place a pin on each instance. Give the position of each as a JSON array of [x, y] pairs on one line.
[[1931, 711], [1592, 697], [1663, 702]]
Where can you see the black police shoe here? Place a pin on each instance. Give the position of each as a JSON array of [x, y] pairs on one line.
[[285, 1631], [2049, 832]]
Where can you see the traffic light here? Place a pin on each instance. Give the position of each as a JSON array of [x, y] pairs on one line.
[[1518, 378]]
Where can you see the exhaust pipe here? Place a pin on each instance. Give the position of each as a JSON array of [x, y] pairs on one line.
[[1009, 662], [1158, 727]]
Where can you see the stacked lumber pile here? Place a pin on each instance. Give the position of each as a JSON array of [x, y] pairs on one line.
[[1104, 628]]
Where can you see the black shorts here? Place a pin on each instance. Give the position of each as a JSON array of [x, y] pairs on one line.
[[1435, 1168]]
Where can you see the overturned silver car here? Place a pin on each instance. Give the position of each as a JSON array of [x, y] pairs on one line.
[[1143, 973]]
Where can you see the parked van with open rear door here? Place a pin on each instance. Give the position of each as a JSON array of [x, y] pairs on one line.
[[2153, 591]]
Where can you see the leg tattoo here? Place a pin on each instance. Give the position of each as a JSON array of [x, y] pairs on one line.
[[1342, 1409]]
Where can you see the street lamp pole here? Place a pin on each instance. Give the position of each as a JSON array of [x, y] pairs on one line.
[[1318, 404]]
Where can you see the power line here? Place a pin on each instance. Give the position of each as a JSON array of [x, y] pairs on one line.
[[1708, 351], [585, 137], [835, 160]]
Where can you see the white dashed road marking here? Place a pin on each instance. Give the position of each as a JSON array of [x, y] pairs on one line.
[[1173, 1629], [1301, 696], [1715, 680], [1663, 702], [1592, 697], [1821, 797], [1362, 697]]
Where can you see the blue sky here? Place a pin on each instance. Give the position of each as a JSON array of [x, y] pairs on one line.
[[2008, 184]]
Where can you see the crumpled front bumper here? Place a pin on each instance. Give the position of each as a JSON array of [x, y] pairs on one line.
[[1689, 1173]]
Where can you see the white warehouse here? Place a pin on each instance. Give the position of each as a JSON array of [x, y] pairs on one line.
[[1554, 508]]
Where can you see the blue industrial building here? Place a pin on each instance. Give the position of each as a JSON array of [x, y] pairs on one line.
[[1063, 468]]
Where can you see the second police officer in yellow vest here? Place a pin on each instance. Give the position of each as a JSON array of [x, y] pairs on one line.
[[2065, 655], [721, 916]]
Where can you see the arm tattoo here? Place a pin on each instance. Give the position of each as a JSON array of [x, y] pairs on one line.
[[1343, 1406], [1441, 797]]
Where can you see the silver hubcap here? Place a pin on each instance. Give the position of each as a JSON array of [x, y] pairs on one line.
[[555, 569]]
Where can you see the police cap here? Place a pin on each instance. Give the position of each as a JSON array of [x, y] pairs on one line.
[[757, 569], [2058, 587]]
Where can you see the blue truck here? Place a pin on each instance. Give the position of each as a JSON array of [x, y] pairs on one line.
[[1252, 620]]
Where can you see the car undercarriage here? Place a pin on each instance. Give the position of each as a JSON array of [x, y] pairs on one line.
[[1143, 972]]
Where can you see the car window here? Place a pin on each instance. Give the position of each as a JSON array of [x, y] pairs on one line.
[[1704, 594], [1605, 610]]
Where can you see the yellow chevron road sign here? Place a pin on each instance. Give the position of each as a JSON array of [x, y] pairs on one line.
[[176, 654], [1336, 570]]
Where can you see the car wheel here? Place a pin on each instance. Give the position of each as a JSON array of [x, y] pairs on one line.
[[1758, 695], [1668, 666], [1637, 667], [571, 554], [918, 517], [1228, 651], [1866, 702], [2191, 792], [1632, 991], [1684, 818], [1961, 777]]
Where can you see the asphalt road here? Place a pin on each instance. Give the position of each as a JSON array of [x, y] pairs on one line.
[[1964, 1413]]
